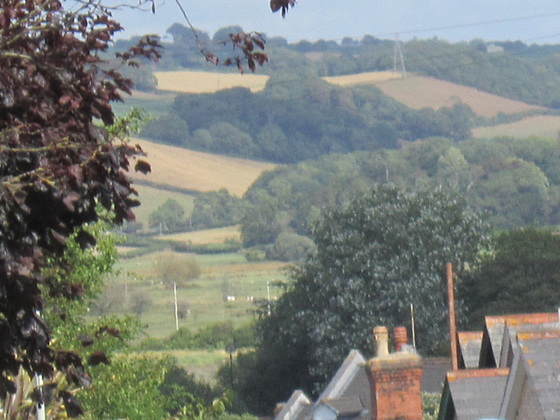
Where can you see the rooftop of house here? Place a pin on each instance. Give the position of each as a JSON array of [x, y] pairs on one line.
[[469, 344], [518, 375], [485, 386], [349, 393]]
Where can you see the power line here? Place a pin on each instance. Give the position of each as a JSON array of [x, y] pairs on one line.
[[471, 24]]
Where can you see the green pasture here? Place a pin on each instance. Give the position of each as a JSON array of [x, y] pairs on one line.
[[222, 275]]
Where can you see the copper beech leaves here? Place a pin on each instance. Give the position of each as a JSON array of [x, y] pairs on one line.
[[248, 44], [282, 5], [56, 166]]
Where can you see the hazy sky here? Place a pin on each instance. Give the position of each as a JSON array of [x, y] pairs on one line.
[[531, 21]]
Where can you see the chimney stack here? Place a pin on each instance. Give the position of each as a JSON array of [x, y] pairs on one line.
[[395, 378], [401, 338], [381, 336]]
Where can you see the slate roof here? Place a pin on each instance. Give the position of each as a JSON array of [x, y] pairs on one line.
[[470, 343], [349, 379], [349, 392], [296, 408], [540, 352], [475, 393], [348, 406], [526, 383], [494, 333]]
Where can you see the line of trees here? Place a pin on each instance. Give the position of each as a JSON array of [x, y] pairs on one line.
[[513, 182], [301, 119]]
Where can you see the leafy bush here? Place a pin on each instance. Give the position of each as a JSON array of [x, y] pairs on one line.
[[171, 268], [216, 336], [290, 247]]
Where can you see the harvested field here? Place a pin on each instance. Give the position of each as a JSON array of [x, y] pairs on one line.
[[545, 126], [205, 82], [362, 78], [199, 171], [425, 92]]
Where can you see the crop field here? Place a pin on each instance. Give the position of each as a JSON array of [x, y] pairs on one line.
[[205, 82], [222, 275], [363, 78], [199, 171], [424, 92], [208, 236], [545, 126]]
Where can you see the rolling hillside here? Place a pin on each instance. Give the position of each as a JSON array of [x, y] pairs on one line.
[[425, 92], [182, 168], [415, 91]]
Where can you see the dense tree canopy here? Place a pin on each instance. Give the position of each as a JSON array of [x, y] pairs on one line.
[[515, 182], [384, 251], [522, 274], [300, 118]]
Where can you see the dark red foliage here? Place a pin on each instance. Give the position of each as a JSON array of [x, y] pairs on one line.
[[56, 165], [247, 43], [283, 5]]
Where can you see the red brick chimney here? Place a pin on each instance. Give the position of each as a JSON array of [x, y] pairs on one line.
[[401, 338], [395, 381]]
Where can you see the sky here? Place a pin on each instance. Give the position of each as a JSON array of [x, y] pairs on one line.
[[530, 21]]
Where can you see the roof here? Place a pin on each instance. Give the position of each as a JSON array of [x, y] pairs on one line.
[[347, 406], [433, 375], [540, 352], [296, 408], [475, 393], [495, 327], [526, 382], [470, 343], [345, 382]]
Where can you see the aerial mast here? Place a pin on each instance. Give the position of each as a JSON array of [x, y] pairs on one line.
[[398, 57]]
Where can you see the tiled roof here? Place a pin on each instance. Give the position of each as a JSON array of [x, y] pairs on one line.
[[470, 343], [296, 408], [495, 326], [477, 393], [353, 365], [348, 406], [540, 351]]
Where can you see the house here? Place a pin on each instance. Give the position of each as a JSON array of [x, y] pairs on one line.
[[386, 387], [510, 370]]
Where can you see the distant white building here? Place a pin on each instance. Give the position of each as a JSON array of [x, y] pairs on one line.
[[493, 48]]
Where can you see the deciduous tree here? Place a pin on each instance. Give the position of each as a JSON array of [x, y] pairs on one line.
[[521, 274]]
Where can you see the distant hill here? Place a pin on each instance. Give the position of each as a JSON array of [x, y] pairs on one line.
[[415, 91], [419, 92], [186, 169]]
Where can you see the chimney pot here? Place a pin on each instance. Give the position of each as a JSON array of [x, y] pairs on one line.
[[401, 338], [381, 335]]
